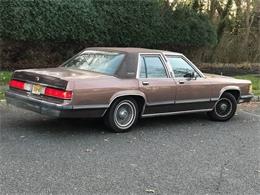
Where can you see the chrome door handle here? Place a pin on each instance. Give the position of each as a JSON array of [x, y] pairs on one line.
[[145, 83], [181, 82]]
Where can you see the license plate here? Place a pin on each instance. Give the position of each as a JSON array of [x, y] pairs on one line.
[[38, 89]]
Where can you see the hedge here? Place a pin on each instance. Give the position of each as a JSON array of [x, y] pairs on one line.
[[140, 23]]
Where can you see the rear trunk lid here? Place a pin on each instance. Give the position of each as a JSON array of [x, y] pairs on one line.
[[38, 80], [40, 77], [55, 77]]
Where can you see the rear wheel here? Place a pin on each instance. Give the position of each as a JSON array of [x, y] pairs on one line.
[[224, 109], [122, 115]]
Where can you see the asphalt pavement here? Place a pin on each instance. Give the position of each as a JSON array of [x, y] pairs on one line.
[[185, 154]]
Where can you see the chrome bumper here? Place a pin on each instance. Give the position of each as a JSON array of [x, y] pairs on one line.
[[245, 98], [36, 105], [52, 109]]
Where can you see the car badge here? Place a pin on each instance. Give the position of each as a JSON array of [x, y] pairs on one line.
[[37, 78]]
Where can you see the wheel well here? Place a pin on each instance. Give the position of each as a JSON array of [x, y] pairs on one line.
[[235, 93], [139, 100]]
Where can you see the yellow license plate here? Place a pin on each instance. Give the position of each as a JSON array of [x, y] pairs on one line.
[[38, 89]]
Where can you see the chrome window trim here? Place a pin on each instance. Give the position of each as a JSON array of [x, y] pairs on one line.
[[188, 62], [163, 60]]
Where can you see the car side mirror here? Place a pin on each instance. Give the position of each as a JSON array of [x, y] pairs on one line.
[[192, 75], [195, 75]]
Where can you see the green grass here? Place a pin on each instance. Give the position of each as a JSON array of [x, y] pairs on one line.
[[5, 77], [255, 79]]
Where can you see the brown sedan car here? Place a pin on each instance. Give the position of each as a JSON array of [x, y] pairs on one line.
[[124, 84]]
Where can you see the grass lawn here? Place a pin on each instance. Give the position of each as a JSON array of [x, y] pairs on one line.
[[255, 79], [5, 77]]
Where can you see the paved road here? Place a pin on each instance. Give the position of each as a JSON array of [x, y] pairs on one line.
[[171, 155]]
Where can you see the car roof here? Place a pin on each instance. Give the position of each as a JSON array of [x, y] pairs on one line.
[[128, 67], [133, 50]]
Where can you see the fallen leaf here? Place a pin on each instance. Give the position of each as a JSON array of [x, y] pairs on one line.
[[150, 191], [133, 165], [88, 150]]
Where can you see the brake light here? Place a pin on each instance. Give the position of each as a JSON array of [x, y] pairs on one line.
[[16, 84], [57, 93]]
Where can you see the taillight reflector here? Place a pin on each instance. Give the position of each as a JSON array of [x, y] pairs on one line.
[[16, 84], [57, 93]]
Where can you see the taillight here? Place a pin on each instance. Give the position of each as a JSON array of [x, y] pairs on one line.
[[57, 93], [16, 84]]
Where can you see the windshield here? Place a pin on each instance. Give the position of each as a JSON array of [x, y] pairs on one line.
[[101, 62]]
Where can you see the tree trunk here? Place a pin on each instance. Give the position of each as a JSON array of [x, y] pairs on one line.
[[257, 10]]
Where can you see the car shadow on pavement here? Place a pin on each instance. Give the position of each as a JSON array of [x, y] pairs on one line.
[[68, 126]]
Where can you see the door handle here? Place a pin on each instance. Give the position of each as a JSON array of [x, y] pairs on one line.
[[181, 82], [145, 83]]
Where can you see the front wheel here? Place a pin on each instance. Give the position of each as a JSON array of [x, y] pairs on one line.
[[224, 109], [122, 115]]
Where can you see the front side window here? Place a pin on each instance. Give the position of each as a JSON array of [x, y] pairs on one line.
[[103, 62], [180, 67], [152, 67]]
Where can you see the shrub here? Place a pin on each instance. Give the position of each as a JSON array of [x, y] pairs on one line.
[[149, 23]]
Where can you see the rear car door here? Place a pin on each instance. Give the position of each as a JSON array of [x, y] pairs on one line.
[[193, 90], [156, 83]]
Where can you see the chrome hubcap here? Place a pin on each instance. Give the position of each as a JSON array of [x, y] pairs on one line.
[[124, 115], [223, 107]]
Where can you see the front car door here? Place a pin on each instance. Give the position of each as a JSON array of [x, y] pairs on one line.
[[193, 90], [156, 83]]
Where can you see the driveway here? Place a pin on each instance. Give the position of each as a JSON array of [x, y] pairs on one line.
[[185, 154]]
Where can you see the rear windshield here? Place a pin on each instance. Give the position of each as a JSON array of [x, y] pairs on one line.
[[101, 62]]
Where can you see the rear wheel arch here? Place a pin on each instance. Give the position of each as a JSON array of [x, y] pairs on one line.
[[140, 100]]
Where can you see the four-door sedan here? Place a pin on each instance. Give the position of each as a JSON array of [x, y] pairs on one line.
[[124, 84]]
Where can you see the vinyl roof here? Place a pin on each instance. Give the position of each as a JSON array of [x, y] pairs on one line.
[[128, 67]]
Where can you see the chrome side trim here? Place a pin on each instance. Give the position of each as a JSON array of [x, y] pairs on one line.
[[90, 106], [214, 99], [192, 101], [180, 102], [174, 113], [160, 103]]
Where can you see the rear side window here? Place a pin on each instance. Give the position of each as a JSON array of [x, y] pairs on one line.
[[152, 67]]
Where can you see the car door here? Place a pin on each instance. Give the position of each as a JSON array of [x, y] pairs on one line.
[[193, 90], [156, 83]]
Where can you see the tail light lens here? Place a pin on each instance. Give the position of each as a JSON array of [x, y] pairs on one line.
[[57, 93], [17, 84], [47, 91]]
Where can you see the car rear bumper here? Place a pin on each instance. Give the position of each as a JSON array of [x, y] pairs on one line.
[[51, 109], [245, 98]]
